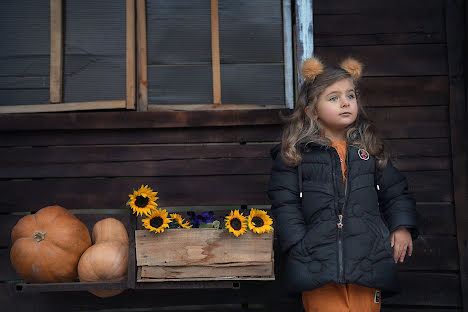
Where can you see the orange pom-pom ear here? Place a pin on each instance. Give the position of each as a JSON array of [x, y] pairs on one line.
[[353, 67], [311, 68]]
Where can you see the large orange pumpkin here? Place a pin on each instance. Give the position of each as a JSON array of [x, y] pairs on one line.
[[47, 245]]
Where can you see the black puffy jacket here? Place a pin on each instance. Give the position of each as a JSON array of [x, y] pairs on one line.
[[306, 201]]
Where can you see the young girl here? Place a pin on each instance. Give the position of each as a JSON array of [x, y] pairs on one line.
[[330, 185]]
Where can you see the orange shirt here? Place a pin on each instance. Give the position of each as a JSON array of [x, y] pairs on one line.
[[340, 147]]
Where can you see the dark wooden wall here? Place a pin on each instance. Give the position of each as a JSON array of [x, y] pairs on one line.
[[89, 162]]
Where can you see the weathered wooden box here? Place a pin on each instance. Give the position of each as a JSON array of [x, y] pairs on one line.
[[203, 254]]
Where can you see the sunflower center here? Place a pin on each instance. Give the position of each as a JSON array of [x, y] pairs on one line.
[[236, 224], [156, 222], [257, 221], [141, 201]]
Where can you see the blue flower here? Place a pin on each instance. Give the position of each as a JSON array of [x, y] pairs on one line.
[[206, 217]]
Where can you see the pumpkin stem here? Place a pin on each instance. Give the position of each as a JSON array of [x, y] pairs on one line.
[[39, 236]]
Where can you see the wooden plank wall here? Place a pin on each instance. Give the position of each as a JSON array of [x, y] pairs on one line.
[[90, 161]]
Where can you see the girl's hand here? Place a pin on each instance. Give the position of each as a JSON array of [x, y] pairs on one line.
[[401, 242]]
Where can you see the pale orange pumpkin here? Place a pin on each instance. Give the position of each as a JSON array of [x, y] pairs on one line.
[[104, 261], [110, 229], [47, 245]]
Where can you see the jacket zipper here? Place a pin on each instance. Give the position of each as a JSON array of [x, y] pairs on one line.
[[339, 225]]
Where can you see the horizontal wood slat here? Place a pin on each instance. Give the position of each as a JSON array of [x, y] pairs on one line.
[[183, 167], [400, 60], [436, 219], [369, 23], [163, 168], [370, 6], [432, 254], [398, 148], [132, 120], [112, 193], [84, 154], [237, 134], [404, 91], [418, 116], [428, 289], [149, 273]]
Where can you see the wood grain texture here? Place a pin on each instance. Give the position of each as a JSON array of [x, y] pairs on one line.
[[62, 107], [153, 273], [130, 55], [56, 51], [367, 23], [135, 120], [142, 100], [215, 60], [235, 134], [404, 91], [202, 247], [400, 150], [391, 60]]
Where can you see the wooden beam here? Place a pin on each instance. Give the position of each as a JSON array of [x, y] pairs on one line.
[[142, 100], [288, 55], [215, 53], [130, 17], [207, 107], [62, 107], [304, 35], [56, 51], [455, 29]]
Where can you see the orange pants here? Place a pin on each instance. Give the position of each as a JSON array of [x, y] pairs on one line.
[[335, 297]]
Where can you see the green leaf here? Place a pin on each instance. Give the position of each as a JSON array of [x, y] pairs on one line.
[[204, 225]]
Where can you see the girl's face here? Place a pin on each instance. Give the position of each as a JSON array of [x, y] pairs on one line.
[[337, 108]]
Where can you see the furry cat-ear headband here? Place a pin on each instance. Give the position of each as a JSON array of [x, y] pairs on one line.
[[312, 67]]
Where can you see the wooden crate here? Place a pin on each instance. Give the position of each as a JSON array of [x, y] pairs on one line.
[[203, 254]]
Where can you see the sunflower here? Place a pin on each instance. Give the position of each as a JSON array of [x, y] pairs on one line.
[[236, 223], [259, 221], [143, 201], [157, 221], [180, 221]]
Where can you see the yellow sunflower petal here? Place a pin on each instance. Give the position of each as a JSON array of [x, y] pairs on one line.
[[259, 221], [236, 223], [142, 201], [157, 221]]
